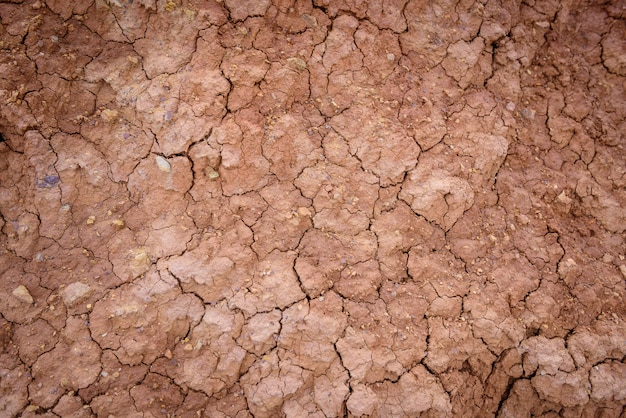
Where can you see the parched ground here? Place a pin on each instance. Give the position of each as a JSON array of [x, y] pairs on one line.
[[312, 208]]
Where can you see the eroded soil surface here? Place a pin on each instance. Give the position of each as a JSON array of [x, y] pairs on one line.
[[312, 208]]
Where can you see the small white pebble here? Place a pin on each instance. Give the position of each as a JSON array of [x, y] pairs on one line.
[[163, 164]]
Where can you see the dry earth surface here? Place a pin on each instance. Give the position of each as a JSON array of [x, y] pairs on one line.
[[312, 208]]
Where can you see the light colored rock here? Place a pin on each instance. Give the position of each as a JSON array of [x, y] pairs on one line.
[[562, 197], [74, 293], [139, 261], [22, 293]]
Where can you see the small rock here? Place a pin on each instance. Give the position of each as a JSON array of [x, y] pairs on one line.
[[22, 293], [565, 267], [563, 198], [299, 63], [211, 173], [109, 115], [139, 261], [528, 114], [51, 180], [163, 164], [170, 6], [118, 222], [91, 220], [622, 268], [75, 292]]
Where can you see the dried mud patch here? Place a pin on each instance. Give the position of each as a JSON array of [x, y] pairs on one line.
[[312, 208]]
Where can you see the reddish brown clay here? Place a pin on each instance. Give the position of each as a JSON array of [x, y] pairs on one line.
[[312, 208]]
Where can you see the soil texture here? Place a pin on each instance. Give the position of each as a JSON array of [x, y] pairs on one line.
[[312, 208]]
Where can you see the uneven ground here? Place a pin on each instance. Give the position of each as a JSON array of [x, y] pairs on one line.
[[328, 208]]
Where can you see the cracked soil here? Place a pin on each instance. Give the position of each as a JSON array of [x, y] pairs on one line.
[[312, 208]]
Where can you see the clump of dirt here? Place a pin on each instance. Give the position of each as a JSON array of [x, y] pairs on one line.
[[312, 208]]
